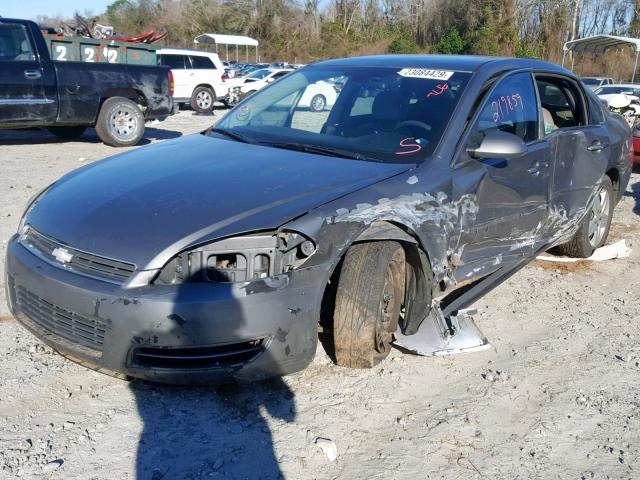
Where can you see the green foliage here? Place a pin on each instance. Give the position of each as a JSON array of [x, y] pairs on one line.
[[451, 44], [403, 43]]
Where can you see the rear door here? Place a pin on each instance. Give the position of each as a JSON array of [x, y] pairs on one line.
[[511, 195], [181, 69], [204, 72], [27, 91], [580, 147]]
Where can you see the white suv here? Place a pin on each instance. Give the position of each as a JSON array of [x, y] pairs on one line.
[[198, 77]]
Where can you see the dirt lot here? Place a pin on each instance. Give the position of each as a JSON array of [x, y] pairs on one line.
[[557, 395]]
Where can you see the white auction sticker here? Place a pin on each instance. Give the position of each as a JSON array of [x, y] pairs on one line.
[[425, 73]]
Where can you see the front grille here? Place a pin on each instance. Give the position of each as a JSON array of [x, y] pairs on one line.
[[79, 261], [88, 332], [198, 357]]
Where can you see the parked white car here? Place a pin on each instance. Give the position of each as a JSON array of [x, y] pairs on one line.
[[318, 96], [595, 82], [261, 78], [623, 98], [199, 77]]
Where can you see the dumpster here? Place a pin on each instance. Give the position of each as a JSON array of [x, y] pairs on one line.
[[80, 49]]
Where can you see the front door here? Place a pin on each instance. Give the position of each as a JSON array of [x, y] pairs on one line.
[[23, 93], [511, 194]]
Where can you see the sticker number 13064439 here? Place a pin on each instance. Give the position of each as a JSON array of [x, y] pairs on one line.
[[426, 73]]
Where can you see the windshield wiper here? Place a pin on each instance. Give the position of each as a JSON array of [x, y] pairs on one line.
[[230, 134], [331, 152]]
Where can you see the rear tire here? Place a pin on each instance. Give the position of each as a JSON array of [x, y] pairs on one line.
[[203, 100], [317, 103], [594, 227], [67, 132], [120, 122], [368, 300]]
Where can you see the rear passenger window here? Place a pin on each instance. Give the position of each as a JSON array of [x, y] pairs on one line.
[[14, 43], [561, 102], [176, 62], [511, 107], [202, 63]]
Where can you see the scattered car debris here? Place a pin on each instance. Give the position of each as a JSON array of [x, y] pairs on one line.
[[328, 447], [618, 249]]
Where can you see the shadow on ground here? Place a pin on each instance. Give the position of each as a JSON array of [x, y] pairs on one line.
[[635, 192], [36, 136], [200, 432]]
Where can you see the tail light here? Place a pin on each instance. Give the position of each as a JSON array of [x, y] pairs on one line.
[[171, 83], [224, 77]]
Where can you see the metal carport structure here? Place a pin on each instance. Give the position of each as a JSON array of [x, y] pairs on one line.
[[226, 40], [599, 44]]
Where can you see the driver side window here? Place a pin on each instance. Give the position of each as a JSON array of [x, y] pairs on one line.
[[510, 107]]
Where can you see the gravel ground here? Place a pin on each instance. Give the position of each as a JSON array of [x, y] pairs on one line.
[[557, 395]]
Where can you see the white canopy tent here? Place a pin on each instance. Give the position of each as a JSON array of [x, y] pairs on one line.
[[599, 44], [226, 40]]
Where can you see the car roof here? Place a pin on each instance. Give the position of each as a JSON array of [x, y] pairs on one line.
[[467, 63], [185, 51]]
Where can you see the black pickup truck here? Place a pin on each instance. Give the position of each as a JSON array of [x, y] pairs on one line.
[[68, 97]]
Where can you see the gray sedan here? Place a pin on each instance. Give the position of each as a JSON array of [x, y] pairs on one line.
[[218, 256]]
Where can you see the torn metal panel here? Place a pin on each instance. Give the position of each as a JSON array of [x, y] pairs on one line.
[[444, 336]]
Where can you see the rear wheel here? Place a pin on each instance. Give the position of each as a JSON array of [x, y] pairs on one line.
[[68, 132], [120, 122], [368, 301], [317, 104], [594, 228], [203, 100]]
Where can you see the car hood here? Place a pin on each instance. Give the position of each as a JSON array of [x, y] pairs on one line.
[[167, 196]]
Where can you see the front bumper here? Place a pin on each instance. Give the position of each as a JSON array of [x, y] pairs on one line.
[[184, 334]]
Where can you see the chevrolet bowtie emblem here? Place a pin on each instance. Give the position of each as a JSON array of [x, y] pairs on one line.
[[62, 255]]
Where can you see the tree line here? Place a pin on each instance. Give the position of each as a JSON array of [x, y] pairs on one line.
[[308, 30]]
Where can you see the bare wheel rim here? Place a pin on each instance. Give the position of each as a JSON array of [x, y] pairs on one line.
[[599, 218], [123, 122], [392, 298], [203, 99], [317, 103]]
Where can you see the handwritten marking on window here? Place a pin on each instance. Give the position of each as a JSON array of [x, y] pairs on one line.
[[415, 147], [439, 90], [505, 105]]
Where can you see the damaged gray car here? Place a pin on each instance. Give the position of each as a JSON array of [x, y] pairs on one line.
[[220, 256]]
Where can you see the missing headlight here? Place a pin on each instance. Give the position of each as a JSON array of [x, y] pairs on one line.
[[239, 259]]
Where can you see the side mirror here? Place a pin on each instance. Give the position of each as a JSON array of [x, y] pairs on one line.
[[270, 79], [499, 144]]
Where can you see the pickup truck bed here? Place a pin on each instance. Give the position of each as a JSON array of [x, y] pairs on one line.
[[67, 97]]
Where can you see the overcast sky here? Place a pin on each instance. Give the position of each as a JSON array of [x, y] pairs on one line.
[[30, 9]]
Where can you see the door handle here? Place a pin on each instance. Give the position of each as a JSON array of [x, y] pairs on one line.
[[597, 146], [32, 74]]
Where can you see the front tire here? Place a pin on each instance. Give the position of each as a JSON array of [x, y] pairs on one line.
[[594, 228], [120, 122], [368, 301], [203, 100], [68, 132]]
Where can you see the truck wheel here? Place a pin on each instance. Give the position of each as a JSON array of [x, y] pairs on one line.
[[594, 227], [368, 300], [203, 99], [67, 132], [120, 122], [317, 104]]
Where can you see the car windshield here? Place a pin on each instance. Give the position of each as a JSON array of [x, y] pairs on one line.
[[380, 114], [259, 74], [618, 89], [591, 81]]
